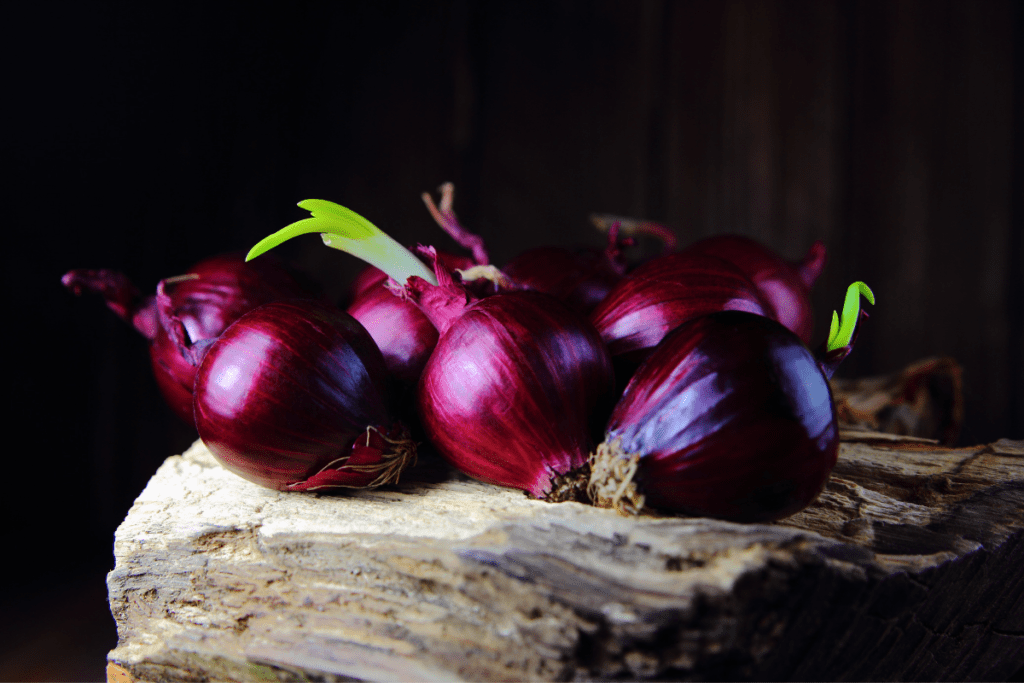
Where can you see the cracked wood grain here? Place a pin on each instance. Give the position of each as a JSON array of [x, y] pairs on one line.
[[907, 567]]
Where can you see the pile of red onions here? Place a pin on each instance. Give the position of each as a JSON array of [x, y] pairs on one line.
[[518, 385], [726, 413]]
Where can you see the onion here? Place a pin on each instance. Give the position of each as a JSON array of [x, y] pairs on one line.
[[203, 302], [580, 278], [404, 335], [731, 417], [783, 285], [292, 396], [662, 294], [514, 391]]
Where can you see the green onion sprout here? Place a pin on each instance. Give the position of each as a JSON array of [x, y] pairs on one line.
[[347, 231], [840, 333]]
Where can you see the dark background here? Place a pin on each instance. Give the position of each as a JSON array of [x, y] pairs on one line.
[[144, 137]]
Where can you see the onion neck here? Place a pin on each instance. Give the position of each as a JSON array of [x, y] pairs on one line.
[[633, 227], [445, 217], [121, 296], [441, 301]]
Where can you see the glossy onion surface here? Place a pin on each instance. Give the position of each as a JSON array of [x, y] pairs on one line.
[[783, 285], [221, 290], [516, 390], [732, 418], [290, 388], [665, 292], [404, 335]]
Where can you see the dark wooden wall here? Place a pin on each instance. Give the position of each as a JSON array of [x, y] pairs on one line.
[[144, 137]]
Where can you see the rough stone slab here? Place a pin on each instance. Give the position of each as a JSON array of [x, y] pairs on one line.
[[907, 567]]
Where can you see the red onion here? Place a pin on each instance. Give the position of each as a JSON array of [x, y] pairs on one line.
[[292, 396], [580, 278], [662, 294], [731, 416], [212, 295], [783, 285], [404, 335], [514, 387], [517, 382]]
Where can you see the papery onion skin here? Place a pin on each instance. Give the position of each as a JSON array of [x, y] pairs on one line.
[[289, 396], [662, 294], [516, 390], [785, 286], [732, 418], [205, 300]]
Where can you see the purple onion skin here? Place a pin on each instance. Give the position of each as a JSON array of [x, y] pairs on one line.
[[227, 287], [581, 279], [224, 287], [289, 388], [404, 335], [516, 390], [783, 285], [732, 418], [662, 294]]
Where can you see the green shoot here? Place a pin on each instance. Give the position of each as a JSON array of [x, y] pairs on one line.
[[347, 231], [840, 332]]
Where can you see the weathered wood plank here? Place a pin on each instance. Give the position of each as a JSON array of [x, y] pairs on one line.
[[906, 567]]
